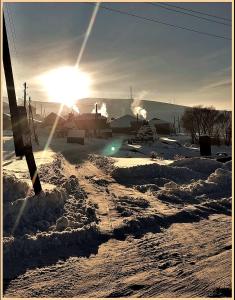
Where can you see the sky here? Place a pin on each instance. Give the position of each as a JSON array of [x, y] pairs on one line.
[[161, 63]]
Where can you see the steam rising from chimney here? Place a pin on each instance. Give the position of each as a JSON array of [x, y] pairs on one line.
[[140, 111], [102, 110], [136, 105], [76, 109]]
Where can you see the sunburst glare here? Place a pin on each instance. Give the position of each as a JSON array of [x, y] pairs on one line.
[[66, 84]]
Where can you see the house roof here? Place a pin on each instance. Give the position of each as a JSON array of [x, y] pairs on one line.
[[158, 121], [122, 122]]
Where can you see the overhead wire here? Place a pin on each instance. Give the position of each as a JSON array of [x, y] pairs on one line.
[[160, 22], [196, 11], [189, 14], [11, 28]]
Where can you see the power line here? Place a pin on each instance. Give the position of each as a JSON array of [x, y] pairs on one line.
[[160, 22], [189, 14], [11, 27], [198, 12]]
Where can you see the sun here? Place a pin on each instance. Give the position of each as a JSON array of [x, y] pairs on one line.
[[66, 84]]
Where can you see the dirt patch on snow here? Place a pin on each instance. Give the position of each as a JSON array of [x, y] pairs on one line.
[[103, 162]]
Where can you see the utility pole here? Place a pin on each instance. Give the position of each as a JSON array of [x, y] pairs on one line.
[[31, 122], [179, 129], [96, 118], [19, 120], [131, 93], [174, 125], [137, 123], [25, 93]]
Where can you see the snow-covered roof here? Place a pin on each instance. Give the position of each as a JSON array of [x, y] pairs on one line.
[[7, 115], [158, 121], [123, 122], [53, 115]]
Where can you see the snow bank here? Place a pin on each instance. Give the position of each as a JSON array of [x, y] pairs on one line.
[[103, 162], [227, 165], [180, 171], [147, 172], [35, 212], [13, 188], [198, 164], [45, 226], [143, 188], [44, 247], [45, 212], [217, 185], [53, 172]]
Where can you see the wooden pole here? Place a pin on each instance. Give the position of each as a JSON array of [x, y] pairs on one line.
[[25, 87], [32, 122], [19, 136], [131, 94]]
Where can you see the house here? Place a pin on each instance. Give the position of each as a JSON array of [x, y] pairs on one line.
[[51, 119], [6, 122], [161, 126], [94, 124], [127, 124], [91, 121]]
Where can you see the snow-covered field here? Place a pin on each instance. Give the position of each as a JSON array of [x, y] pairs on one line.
[[112, 222]]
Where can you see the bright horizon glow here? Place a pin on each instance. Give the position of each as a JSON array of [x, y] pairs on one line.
[[66, 85]]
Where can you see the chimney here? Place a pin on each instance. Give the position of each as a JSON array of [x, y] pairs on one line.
[[96, 109]]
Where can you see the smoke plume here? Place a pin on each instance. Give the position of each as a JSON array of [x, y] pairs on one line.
[[102, 110], [136, 105]]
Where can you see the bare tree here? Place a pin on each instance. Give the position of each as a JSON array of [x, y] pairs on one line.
[[200, 120], [189, 124], [225, 126], [209, 120]]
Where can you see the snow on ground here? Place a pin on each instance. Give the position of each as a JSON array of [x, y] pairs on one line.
[[138, 161], [114, 223]]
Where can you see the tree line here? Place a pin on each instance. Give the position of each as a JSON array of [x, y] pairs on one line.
[[199, 120]]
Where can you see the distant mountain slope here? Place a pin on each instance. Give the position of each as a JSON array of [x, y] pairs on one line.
[[115, 107], [120, 107]]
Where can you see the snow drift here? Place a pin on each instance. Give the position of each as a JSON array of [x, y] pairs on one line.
[[13, 188], [52, 221], [180, 171], [44, 247], [217, 185]]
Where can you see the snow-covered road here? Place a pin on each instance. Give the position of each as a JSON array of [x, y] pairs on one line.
[[109, 228]]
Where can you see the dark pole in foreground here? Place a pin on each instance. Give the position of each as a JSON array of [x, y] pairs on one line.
[[18, 142], [20, 126], [33, 171]]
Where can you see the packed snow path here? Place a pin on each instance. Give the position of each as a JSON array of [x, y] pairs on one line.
[[155, 241]]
